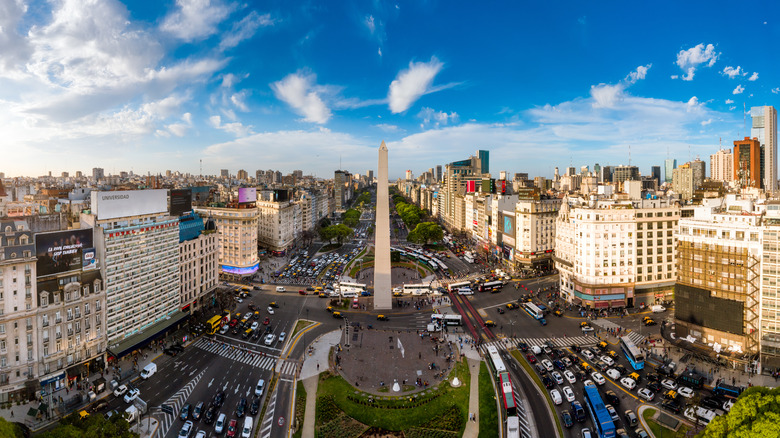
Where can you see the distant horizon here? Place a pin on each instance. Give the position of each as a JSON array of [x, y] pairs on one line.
[[140, 85]]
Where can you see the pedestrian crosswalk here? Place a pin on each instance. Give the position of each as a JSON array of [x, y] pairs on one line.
[[637, 338], [246, 356], [561, 342]]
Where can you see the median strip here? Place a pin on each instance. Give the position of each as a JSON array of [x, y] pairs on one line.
[[520, 359]]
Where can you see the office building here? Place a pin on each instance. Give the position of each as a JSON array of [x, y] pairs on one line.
[[764, 128], [98, 174], [409, 175], [242, 175], [136, 243], [605, 175], [655, 173], [484, 161], [460, 177], [718, 283], [687, 178], [237, 238], [198, 261], [769, 316], [438, 173], [370, 176], [625, 173], [747, 163], [535, 231], [669, 165], [342, 189], [279, 220], [615, 254], [722, 166], [224, 173]]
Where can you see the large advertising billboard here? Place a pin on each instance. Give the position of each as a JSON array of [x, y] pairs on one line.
[[236, 270], [247, 194], [62, 251], [124, 203], [181, 201], [508, 224]]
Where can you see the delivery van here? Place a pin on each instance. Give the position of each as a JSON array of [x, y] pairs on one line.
[[149, 370]]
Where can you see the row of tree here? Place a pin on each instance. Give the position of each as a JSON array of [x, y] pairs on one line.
[[351, 218], [425, 233], [340, 232]]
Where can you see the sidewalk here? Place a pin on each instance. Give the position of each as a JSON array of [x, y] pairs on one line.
[[309, 419], [472, 427], [317, 361], [66, 401]]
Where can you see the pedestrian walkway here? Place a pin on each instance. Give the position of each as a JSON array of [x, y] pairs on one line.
[[472, 427], [606, 324], [246, 356], [582, 341], [310, 384], [316, 357]]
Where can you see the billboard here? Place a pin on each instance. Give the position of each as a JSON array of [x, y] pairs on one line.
[[508, 225], [236, 270], [181, 201], [123, 203], [503, 187], [701, 307], [89, 262], [62, 251], [247, 194], [471, 186]]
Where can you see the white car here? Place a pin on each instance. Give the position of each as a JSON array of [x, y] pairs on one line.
[[613, 374], [186, 430], [727, 405], [239, 300], [255, 325], [588, 354], [685, 392], [269, 339], [570, 377], [668, 384], [537, 350], [219, 426], [607, 360], [557, 377], [598, 378], [568, 393], [200, 434], [588, 382], [270, 310], [628, 382], [132, 395], [120, 390], [587, 328], [282, 336], [547, 364], [646, 394], [556, 396]]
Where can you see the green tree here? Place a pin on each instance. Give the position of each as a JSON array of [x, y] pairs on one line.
[[755, 414], [426, 232], [351, 218], [9, 429], [94, 426], [324, 222], [342, 232], [328, 233]]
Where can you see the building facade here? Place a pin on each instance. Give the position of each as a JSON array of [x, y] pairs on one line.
[[535, 236], [764, 128], [747, 163], [279, 222], [722, 166], [198, 261], [237, 238]]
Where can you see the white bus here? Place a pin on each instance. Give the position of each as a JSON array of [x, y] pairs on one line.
[[417, 289], [350, 287], [493, 286], [453, 287], [532, 310], [468, 258], [438, 318]]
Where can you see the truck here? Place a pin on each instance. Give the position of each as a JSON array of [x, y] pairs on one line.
[[132, 413], [657, 308], [149, 370], [433, 327]]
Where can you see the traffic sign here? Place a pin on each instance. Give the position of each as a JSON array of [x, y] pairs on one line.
[[281, 421]]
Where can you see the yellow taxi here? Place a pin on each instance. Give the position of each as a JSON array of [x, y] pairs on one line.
[[329, 308], [337, 315], [381, 318], [490, 323]]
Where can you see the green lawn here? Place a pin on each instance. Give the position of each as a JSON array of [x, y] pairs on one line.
[[662, 431], [488, 412], [300, 325], [300, 408], [522, 360], [446, 408]]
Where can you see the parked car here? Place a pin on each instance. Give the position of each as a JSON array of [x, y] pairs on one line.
[[132, 395], [646, 394], [598, 378], [685, 392], [669, 384]]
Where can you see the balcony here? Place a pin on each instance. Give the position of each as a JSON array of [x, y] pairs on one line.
[[45, 323], [46, 339], [59, 335], [70, 332], [58, 320]]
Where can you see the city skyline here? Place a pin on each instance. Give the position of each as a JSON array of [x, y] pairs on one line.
[[151, 87]]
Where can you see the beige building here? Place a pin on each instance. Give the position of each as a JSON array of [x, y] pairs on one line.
[[198, 264], [535, 241], [237, 238], [722, 165], [279, 223]]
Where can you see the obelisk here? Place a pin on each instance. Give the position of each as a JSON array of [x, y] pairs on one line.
[[383, 298]]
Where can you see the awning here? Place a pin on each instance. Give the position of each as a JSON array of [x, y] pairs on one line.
[[53, 378], [618, 303], [140, 340], [601, 304]]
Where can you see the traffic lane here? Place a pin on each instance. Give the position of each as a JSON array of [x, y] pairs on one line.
[[537, 404], [281, 409], [236, 379]]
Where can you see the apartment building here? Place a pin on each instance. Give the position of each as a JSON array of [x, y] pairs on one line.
[[18, 326], [279, 220], [769, 306], [237, 229], [198, 261], [535, 237], [613, 253]]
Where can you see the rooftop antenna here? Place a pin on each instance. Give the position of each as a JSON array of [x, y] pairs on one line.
[[339, 161], [201, 167], [744, 116], [629, 155]]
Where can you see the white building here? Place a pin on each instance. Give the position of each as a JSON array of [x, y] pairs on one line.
[[722, 165], [764, 128], [615, 253], [279, 222], [137, 244], [237, 235], [535, 239]]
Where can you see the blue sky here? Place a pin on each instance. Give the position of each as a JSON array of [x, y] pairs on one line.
[[150, 86]]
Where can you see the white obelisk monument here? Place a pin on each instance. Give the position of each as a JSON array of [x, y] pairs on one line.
[[383, 298]]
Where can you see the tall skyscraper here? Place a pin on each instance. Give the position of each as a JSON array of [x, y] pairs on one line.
[[484, 160], [224, 173], [764, 128], [747, 162], [408, 175], [722, 166], [669, 165], [655, 172], [438, 173]]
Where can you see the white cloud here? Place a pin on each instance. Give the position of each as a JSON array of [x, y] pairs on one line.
[[754, 76], [728, 101], [689, 60], [15, 49], [732, 72], [738, 90], [388, 128], [706, 122], [605, 95], [731, 108], [379, 51], [639, 73], [195, 19], [674, 76], [245, 29], [369, 22], [430, 116], [238, 99], [410, 84], [235, 128], [776, 90], [299, 90]]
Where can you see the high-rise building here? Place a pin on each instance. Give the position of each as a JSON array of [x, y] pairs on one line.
[[198, 261], [606, 175], [764, 128], [279, 220], [137, 243], [409, 175], [242, 175], [669, 165], [655, 173], [597, 171], [237, 238], [370, 176], [97, 173], [625, 173], [484, 161], [342, 188], [584, 169], [722, 165], [747, 162], [438, 173], [224, 173], [688, 177]]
